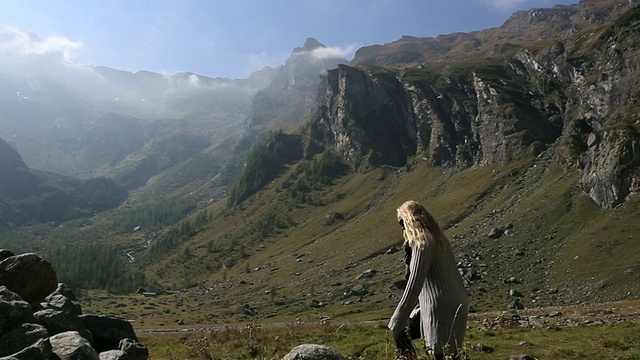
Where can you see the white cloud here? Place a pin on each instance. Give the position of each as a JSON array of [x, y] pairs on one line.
[[25, 43], [194, 80], [333, 52]]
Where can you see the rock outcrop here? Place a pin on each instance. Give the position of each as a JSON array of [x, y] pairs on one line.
[[42, 319], [574, 98]]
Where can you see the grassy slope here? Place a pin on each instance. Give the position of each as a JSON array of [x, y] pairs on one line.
[[558, 239]]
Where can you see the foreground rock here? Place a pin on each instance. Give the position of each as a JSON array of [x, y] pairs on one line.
[[41, 319], [29, 276], [313, 352]]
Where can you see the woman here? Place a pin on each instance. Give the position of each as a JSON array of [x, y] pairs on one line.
[[434, 283]]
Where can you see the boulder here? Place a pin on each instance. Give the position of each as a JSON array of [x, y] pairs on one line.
[[108, 330], [129, 350], [70, 345], [21, 338], [313, 352], [41, 350], [29, 276], [13, 311], [57, 321]]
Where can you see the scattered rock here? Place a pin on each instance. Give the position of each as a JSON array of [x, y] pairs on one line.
[[511, 280], [515, 293], [367, 274], [482, 348], [313, 352], [495, 233], [332, 218], [247, 310], [516, 304], [522, 357], [357, 290]]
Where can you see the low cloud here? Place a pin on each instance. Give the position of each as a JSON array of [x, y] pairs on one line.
[[21, 42], [334, 52]]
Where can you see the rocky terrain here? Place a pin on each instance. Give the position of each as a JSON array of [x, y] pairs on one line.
[[42, 319]]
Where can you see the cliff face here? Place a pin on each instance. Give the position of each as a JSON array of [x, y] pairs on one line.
[[576, 99]]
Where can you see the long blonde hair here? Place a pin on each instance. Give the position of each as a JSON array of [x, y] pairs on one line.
[[420, 228]]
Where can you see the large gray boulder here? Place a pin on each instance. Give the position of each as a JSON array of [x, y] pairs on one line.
[[63, 299], [71, 345], [57, 321], [29, 276], [313, 352]]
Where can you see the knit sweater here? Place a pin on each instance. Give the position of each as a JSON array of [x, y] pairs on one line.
[[435, 283]]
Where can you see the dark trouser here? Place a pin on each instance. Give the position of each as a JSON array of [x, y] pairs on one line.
[[404, 341]]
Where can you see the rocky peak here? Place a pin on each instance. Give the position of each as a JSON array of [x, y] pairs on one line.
[[292, 93], [311, 44]]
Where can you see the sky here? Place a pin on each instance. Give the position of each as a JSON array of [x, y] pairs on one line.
[[233, 38]]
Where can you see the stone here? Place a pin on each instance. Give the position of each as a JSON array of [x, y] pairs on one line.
[[70, 345], [108, 330], [522, 357], [21, 338], [133, 349], [57, 321], [13, 311], [313, 352], [64, 290], [29, 276], [41, 350], [112, 355], [59, 301], [495, 233], [358, 290], [516, 304], [367, 274]]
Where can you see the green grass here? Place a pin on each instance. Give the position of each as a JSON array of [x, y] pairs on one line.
[[374, 341]]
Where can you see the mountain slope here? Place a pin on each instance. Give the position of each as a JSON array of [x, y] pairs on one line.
[[536, 147], [30, 196]]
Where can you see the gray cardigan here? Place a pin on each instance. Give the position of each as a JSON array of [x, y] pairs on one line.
[[435, 283]]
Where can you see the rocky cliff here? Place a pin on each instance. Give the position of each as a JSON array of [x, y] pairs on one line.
[[576, 98]]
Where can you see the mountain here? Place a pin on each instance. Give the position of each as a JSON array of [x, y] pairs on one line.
[[28, 196], [528, 157], [521, 140]]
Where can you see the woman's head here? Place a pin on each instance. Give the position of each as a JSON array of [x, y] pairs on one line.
[[419, 227]]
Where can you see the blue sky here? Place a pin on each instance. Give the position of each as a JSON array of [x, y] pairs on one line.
[[233, 38]]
